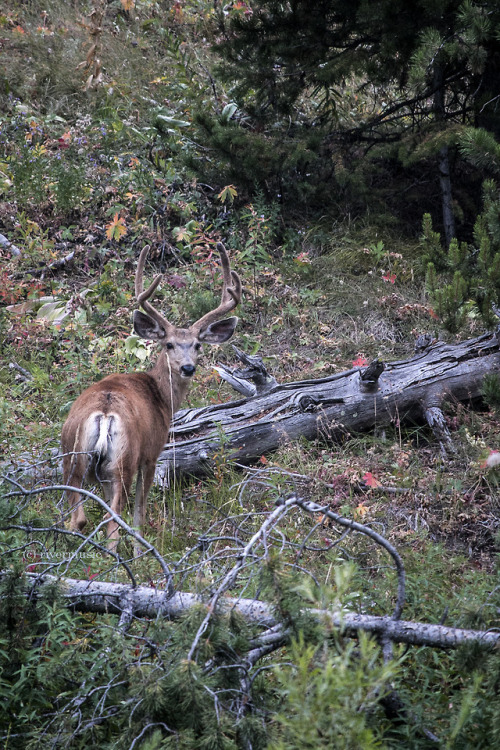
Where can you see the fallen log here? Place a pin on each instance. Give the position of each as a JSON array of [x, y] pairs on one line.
[[331, 408], [102, 597]]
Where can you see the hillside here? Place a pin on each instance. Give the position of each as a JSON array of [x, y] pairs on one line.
[[105, 147]]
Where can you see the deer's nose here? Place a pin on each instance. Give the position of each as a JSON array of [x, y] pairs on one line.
[[188, 370]]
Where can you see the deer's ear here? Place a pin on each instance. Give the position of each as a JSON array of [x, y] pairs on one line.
[[217, 333], [147, 328]]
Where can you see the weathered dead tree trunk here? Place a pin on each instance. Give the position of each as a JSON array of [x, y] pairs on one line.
[[114, 598], [331, 408]]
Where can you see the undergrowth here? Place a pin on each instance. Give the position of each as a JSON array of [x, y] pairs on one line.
[[87, 177]]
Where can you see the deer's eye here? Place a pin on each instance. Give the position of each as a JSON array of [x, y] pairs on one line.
[[170, 345], [197, 346]]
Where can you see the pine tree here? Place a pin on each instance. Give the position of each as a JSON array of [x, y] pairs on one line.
[[467, 275], [358, 77]]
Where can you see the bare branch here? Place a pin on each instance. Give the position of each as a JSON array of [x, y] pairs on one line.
[[362, 529], [103, 597], [118, 519], [231, 576]]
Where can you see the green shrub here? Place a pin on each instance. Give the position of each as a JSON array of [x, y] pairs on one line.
[[466, 279]]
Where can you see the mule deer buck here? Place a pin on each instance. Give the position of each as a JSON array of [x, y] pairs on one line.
[[117, 427]]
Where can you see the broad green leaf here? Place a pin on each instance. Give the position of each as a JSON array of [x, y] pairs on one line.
[[53, 312], [173, 122], [228, 112]]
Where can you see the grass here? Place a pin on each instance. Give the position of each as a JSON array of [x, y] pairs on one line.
[[298, 339], [344, 291], [310, 343]]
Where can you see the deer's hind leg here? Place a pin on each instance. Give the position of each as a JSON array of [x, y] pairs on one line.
[[75, 467], [116, 492], [145, 477]]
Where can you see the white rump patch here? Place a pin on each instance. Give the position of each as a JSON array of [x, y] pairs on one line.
[[103, 436]]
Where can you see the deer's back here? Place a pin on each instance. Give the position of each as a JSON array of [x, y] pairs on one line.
[[136, 401]]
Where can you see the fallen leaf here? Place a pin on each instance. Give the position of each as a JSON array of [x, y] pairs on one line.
[[370, 480], [176, 281], [360, 361], [361, 510], [116, 229]]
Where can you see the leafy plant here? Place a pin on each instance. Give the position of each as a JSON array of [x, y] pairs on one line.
[[261, 221], [491, 390], [327, 697], [70, 182], [30, 167], [378, 251]]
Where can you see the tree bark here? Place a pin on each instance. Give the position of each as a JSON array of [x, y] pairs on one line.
[[143, 601], [446, 194], [443, 157], [333, 407], [330, 408]]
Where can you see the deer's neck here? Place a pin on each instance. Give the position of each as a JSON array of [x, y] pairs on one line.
[[172, 387]]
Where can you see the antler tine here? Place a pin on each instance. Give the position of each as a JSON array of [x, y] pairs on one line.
[[231, 293], [226, 268], [143, 295]]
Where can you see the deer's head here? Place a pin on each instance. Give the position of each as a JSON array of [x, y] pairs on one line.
[[183, 346]]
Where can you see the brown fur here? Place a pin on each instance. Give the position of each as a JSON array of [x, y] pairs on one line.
[[117, 427], [140, 410]]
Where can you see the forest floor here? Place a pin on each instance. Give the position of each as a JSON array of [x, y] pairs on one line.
[[88, 174], [87, 178]]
